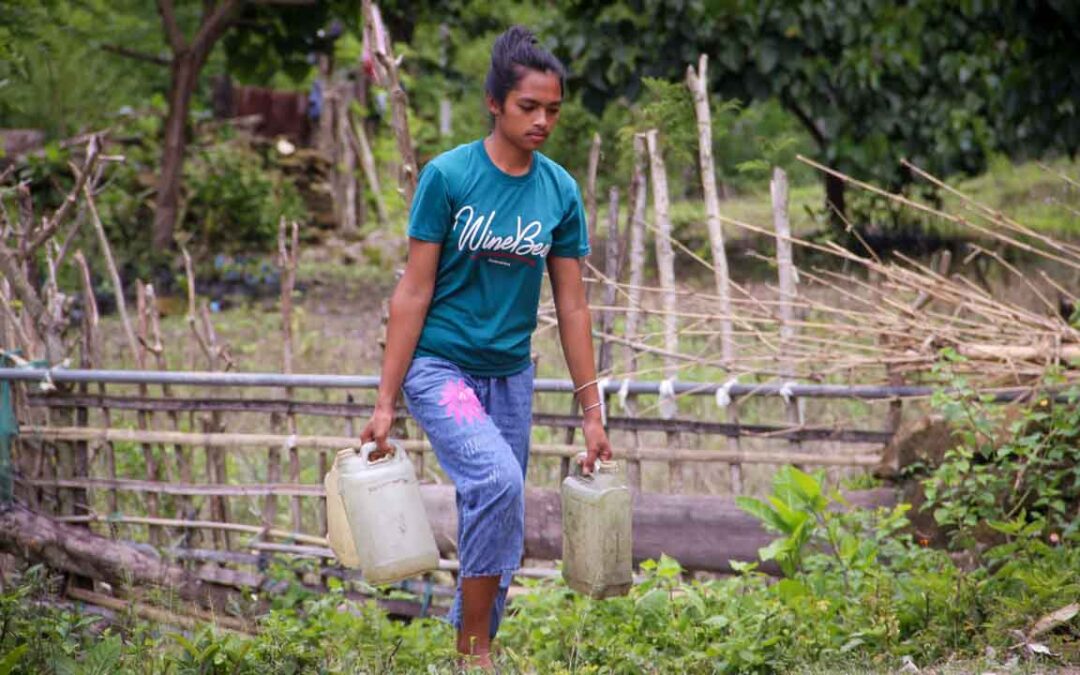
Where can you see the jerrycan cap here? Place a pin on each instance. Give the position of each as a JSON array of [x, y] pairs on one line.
[[365, 450], [600, 466]]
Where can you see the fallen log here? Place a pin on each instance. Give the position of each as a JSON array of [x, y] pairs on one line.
[[701, 532], [78, 551]]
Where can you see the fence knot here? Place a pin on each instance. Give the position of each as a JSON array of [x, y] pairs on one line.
[[723, 392], [668, 406]]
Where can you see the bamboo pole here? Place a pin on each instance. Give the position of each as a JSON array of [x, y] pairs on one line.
[[591, 208], [639, 194], [180, 453], [144, 417], [665, 262], [345, 167], [698, 84], [288, 251], [189, 620], [362, 147], [778, 190], [612, 263], [238, 440]]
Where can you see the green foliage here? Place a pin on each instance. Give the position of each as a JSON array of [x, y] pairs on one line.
[[871, 81], [1016, 472], [233, 202]]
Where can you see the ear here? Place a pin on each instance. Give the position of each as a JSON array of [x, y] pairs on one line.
[[493, 106]]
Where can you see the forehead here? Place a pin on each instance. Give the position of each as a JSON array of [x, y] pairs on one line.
[[541, 86]]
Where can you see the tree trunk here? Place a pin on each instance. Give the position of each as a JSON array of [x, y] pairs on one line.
[[834, 201], [184, 75]]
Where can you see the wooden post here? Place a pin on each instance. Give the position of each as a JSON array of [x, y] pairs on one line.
[[143, 417], [665, 262], [591, 209], [180, 453], [399, 103], [345, 166], [778, 189], [698, 84], [362, 149], [612, 264], [639, 198], [288, 252]]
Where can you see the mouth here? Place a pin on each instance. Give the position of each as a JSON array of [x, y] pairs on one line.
[[536, 136]]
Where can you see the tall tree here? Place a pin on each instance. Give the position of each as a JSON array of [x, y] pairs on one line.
[[188, 58], [870, 80]]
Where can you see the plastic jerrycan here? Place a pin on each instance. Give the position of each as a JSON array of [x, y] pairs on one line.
[[597, 531], [385, 513]]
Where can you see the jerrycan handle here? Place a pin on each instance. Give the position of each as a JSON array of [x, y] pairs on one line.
[[600, 466], [396, 452]]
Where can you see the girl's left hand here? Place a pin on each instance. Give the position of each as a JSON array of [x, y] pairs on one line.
[[597, 445]]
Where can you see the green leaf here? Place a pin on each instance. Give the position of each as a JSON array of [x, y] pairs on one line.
[[11, 659]]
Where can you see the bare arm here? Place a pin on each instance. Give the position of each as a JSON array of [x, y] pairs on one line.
[[408, 309], [575, 333]]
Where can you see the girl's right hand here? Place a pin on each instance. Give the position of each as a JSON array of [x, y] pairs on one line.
[[378, 429]]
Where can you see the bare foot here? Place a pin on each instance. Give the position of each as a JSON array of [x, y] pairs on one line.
[[476, 662]]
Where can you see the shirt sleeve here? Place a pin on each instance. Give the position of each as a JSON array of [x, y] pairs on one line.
[[429, 216], [570, 239]]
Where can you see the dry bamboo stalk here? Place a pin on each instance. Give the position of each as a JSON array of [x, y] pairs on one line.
[[121, 519], [237, 441], [665, 262], [180, 454], [778, 189], [900, 199], [591, 208], [92, 345], [288, 250], [189, 620], [698, 85], [367, 162], [114, 275], [990, 214], [345, 167], [611, 272], [143, 417]]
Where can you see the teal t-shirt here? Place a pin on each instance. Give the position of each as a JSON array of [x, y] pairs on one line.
[[496, 232]]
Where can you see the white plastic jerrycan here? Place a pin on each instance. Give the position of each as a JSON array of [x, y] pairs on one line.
[[381, 499], [597, 531], [338, 534]]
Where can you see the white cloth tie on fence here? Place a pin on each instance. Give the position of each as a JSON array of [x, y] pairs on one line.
[[290, 442], [723, 393], [47, 383], [785, 390], [601, 386], [668, 406], [624, 390], [800, 403]]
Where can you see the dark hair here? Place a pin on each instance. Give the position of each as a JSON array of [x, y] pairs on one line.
[[513, 52]]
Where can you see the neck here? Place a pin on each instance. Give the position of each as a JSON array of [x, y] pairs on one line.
[[507, 156]]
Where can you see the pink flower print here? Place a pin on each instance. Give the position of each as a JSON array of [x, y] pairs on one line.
[[461, 402]]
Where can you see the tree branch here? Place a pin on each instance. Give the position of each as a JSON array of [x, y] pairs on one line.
[[811, 126], [214, 25], [25, 292], [81, 176], [137, 55], [172, 28]]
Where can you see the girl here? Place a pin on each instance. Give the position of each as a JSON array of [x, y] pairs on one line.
[[486, 219]]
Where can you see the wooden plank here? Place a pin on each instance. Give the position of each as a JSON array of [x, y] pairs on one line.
[[236, 440]]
